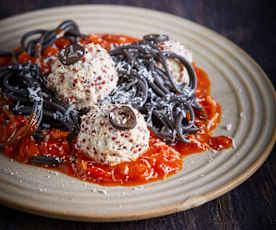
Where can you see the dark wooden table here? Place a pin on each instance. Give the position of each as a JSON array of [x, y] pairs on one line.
[[251, 24]]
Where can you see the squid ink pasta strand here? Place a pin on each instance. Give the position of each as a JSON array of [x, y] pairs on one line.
[[39, 39], [28, 35], [23, 84]]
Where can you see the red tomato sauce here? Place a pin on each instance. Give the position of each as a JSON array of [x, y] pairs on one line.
[[159, 162]]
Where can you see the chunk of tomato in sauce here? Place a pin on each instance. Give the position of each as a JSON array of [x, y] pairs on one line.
[[89, 170], [50, 51], [61, 43], [4, 61], [118, 39], [96, 39], [15, 123], [9, 129], [55, 144], [220, 142], [25, 57], [28, 149]]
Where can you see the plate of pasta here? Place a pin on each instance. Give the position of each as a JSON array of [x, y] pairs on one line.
[[102, 120]]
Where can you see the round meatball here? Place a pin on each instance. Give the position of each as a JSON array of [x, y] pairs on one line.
[[87, 81], [106, 144]]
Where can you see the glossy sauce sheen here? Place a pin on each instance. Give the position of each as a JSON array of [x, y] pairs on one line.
[[159, 162]]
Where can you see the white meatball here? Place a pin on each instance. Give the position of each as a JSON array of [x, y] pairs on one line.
[[106, 144], [87, 81]]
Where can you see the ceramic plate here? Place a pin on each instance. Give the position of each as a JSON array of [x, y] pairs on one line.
[[238, 83]]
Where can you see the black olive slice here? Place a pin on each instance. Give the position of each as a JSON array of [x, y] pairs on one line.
[[71, 54], [46, 160], [122, 118], [156, 37]]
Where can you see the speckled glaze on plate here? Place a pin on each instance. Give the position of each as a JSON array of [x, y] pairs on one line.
[[238, 83]]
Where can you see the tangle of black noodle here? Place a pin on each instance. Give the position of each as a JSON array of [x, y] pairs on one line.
[[36, 41], [25, 85], [146, 83]]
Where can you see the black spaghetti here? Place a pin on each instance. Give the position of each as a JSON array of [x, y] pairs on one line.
[[167, 105]]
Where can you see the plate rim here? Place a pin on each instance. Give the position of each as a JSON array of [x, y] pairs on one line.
[[192, 202]]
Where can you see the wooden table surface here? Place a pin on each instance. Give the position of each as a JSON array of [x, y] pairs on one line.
[[252, 206]]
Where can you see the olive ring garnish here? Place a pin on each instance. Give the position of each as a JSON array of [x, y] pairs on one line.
[[71, 54], [122, 118]]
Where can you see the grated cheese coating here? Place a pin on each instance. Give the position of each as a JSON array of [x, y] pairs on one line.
[[87, 81], [108, 145]]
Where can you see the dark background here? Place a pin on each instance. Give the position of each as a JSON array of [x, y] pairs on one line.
[[251, 24]]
